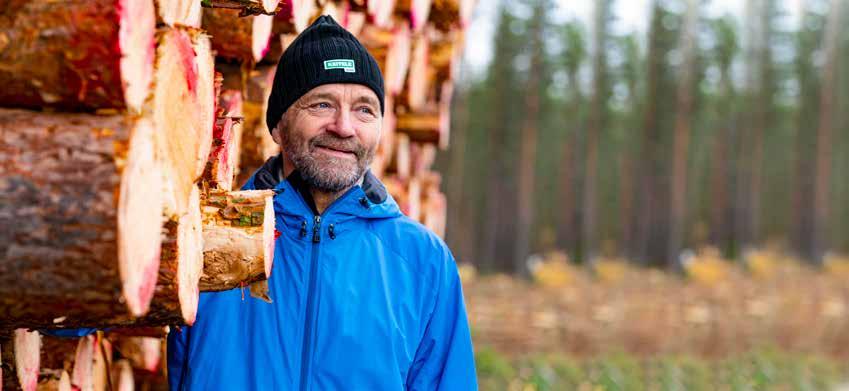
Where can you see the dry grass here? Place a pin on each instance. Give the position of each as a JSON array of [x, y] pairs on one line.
[[718, 309]]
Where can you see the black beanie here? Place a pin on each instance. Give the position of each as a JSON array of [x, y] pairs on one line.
[[324, 53]]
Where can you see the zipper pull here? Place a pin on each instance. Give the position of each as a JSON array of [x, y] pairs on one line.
[[331, 233], [316, 234], [304, 229]]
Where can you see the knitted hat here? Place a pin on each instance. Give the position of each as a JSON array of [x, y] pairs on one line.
[[324, 53]]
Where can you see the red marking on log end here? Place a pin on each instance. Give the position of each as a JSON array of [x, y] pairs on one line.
[[148, 285], [189, 59]]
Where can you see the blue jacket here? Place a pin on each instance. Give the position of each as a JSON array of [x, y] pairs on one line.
[[364, 298]]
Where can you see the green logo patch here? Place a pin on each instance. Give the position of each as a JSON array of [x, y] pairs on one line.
[[344, 64]]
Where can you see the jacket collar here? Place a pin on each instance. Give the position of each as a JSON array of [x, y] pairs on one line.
[[369, 200]]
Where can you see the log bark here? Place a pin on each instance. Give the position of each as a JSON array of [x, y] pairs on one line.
[[78, 55], [450, 14], [256, 144], [80, 196], [224, 157], [183, 110], [248, 7], [244, 39], [238, 232], [428, 126], [417, 11]]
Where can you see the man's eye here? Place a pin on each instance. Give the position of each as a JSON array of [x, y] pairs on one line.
[[366, 110], [321, 105]]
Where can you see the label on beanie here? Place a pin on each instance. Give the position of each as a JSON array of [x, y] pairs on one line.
[[344, 64]]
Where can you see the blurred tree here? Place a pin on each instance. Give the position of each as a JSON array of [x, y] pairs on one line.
[[822, 189], [596, 124], [538, 27], [573, 57], [807, 40], [683, 116], [652, 216], [502, 83], [631, 73], [722, 214]]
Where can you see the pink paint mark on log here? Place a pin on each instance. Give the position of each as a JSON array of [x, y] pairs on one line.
[[32, 379], [148, 285], [188, 57]]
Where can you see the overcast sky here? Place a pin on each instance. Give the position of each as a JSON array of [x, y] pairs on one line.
[[631, 15]]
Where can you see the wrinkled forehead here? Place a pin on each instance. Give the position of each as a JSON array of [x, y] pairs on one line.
[[350, 92]]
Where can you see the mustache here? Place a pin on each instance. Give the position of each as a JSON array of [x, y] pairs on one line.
[[339, 144]]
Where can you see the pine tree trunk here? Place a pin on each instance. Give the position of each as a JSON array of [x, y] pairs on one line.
[[822, 188], [684, 112]]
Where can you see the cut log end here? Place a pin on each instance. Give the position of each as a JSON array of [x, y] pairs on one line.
[[268, 233], [224, 157], [302, 12], [180, 12], [398, 59], [27, 349], [270, 5], [138, 229], [82, 376], [190, 258], [419, 12], [137, 44], [122, 376], [381, 12], [261, 35], [183, 110], [65, 382], [238, 238]]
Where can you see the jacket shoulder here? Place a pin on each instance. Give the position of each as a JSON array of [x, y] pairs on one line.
[[413, 241]]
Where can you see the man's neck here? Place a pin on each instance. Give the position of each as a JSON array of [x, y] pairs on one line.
[[322, 199]]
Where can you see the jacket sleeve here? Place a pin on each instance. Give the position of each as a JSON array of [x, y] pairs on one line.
[[444, 359], [178, 354]]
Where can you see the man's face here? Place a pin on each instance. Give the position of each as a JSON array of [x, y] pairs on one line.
[[331, 134]]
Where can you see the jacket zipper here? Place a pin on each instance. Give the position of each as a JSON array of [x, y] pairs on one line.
[[306, 359], [306, 351]]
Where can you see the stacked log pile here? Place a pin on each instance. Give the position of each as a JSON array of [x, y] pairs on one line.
[[125, 128]]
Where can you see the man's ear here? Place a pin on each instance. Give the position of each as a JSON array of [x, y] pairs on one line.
[[277, 132], [275, 135]]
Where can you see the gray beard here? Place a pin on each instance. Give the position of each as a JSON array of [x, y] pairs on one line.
[[322, 173]]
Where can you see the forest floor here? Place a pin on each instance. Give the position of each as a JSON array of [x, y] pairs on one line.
[[768, 324]]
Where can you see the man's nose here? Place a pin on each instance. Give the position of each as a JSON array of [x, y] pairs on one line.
[[343, 126]]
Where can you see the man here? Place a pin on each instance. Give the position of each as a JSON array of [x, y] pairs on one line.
[[363, 298]]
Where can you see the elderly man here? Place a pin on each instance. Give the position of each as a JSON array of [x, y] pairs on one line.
[[363, 298]]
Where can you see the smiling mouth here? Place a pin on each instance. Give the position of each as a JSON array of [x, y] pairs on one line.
[[333, 151]]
